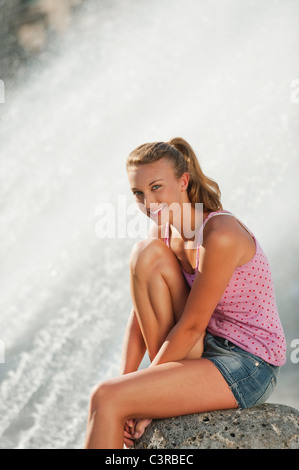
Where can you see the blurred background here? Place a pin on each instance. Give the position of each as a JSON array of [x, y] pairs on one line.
[[83, 82]]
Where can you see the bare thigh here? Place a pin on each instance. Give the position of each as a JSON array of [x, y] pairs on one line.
[[171, 389]]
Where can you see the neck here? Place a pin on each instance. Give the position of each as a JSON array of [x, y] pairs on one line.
[[188, 222]]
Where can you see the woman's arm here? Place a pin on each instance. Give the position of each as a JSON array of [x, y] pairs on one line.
[[133, 346], [220, 256]]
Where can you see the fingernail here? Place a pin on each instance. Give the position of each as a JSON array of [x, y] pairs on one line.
[[136, 435]]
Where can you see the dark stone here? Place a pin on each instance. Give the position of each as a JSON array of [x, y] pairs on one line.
[[268, 426]]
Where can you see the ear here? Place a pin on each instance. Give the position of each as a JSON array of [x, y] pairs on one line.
[[184, 181]]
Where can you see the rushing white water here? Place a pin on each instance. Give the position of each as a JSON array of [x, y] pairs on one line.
[[217, 73]]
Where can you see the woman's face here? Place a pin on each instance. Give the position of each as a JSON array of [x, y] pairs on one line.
[[156, 188]]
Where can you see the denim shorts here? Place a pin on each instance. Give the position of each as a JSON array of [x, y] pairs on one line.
[[250, 378]]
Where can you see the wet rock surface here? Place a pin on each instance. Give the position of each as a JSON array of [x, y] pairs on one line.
[[269, 426]]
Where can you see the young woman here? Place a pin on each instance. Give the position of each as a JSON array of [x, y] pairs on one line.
[[206, 313]]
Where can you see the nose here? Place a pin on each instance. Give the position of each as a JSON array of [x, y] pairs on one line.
[[150, 203], [148, 200]]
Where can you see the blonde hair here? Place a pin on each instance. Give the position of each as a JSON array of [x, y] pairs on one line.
[[200, 189]]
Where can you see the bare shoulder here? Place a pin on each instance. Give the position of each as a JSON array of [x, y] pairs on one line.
[[220, 251], [227, 234], [226, 226], [220, 237], [219, 222]]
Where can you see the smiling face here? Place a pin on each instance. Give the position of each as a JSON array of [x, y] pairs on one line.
[[156, 187]]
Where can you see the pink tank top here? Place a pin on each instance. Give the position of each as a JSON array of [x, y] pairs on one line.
[[247, 313]]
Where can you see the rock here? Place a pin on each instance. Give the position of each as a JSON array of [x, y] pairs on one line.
[[268, 426]]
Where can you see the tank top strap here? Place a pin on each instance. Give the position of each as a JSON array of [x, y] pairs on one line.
[[166, 234], [224, 212], [213, 214], [200, 238]]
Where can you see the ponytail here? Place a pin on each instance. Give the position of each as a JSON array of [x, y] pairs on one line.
[[201, 189]]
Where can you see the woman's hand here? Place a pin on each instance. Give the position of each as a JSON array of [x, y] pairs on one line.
[[134, 428], [128, 433], [140, 425]]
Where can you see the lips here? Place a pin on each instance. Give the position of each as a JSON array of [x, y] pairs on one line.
[[158, 211]]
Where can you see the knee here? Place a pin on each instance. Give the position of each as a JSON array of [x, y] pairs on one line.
[[107, 400], [146, 254], [101, 396]]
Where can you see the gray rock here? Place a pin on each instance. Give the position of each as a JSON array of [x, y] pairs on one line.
[[268, 426]]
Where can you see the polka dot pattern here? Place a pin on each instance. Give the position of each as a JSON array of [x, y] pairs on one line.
[[247, 313]]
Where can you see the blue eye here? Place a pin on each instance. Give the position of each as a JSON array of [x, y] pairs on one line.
[[154, 188]]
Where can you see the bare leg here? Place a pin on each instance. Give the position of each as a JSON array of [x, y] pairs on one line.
[[166, 390], [159, 293]]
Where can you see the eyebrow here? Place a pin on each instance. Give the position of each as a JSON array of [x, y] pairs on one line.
[[155, 181]]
